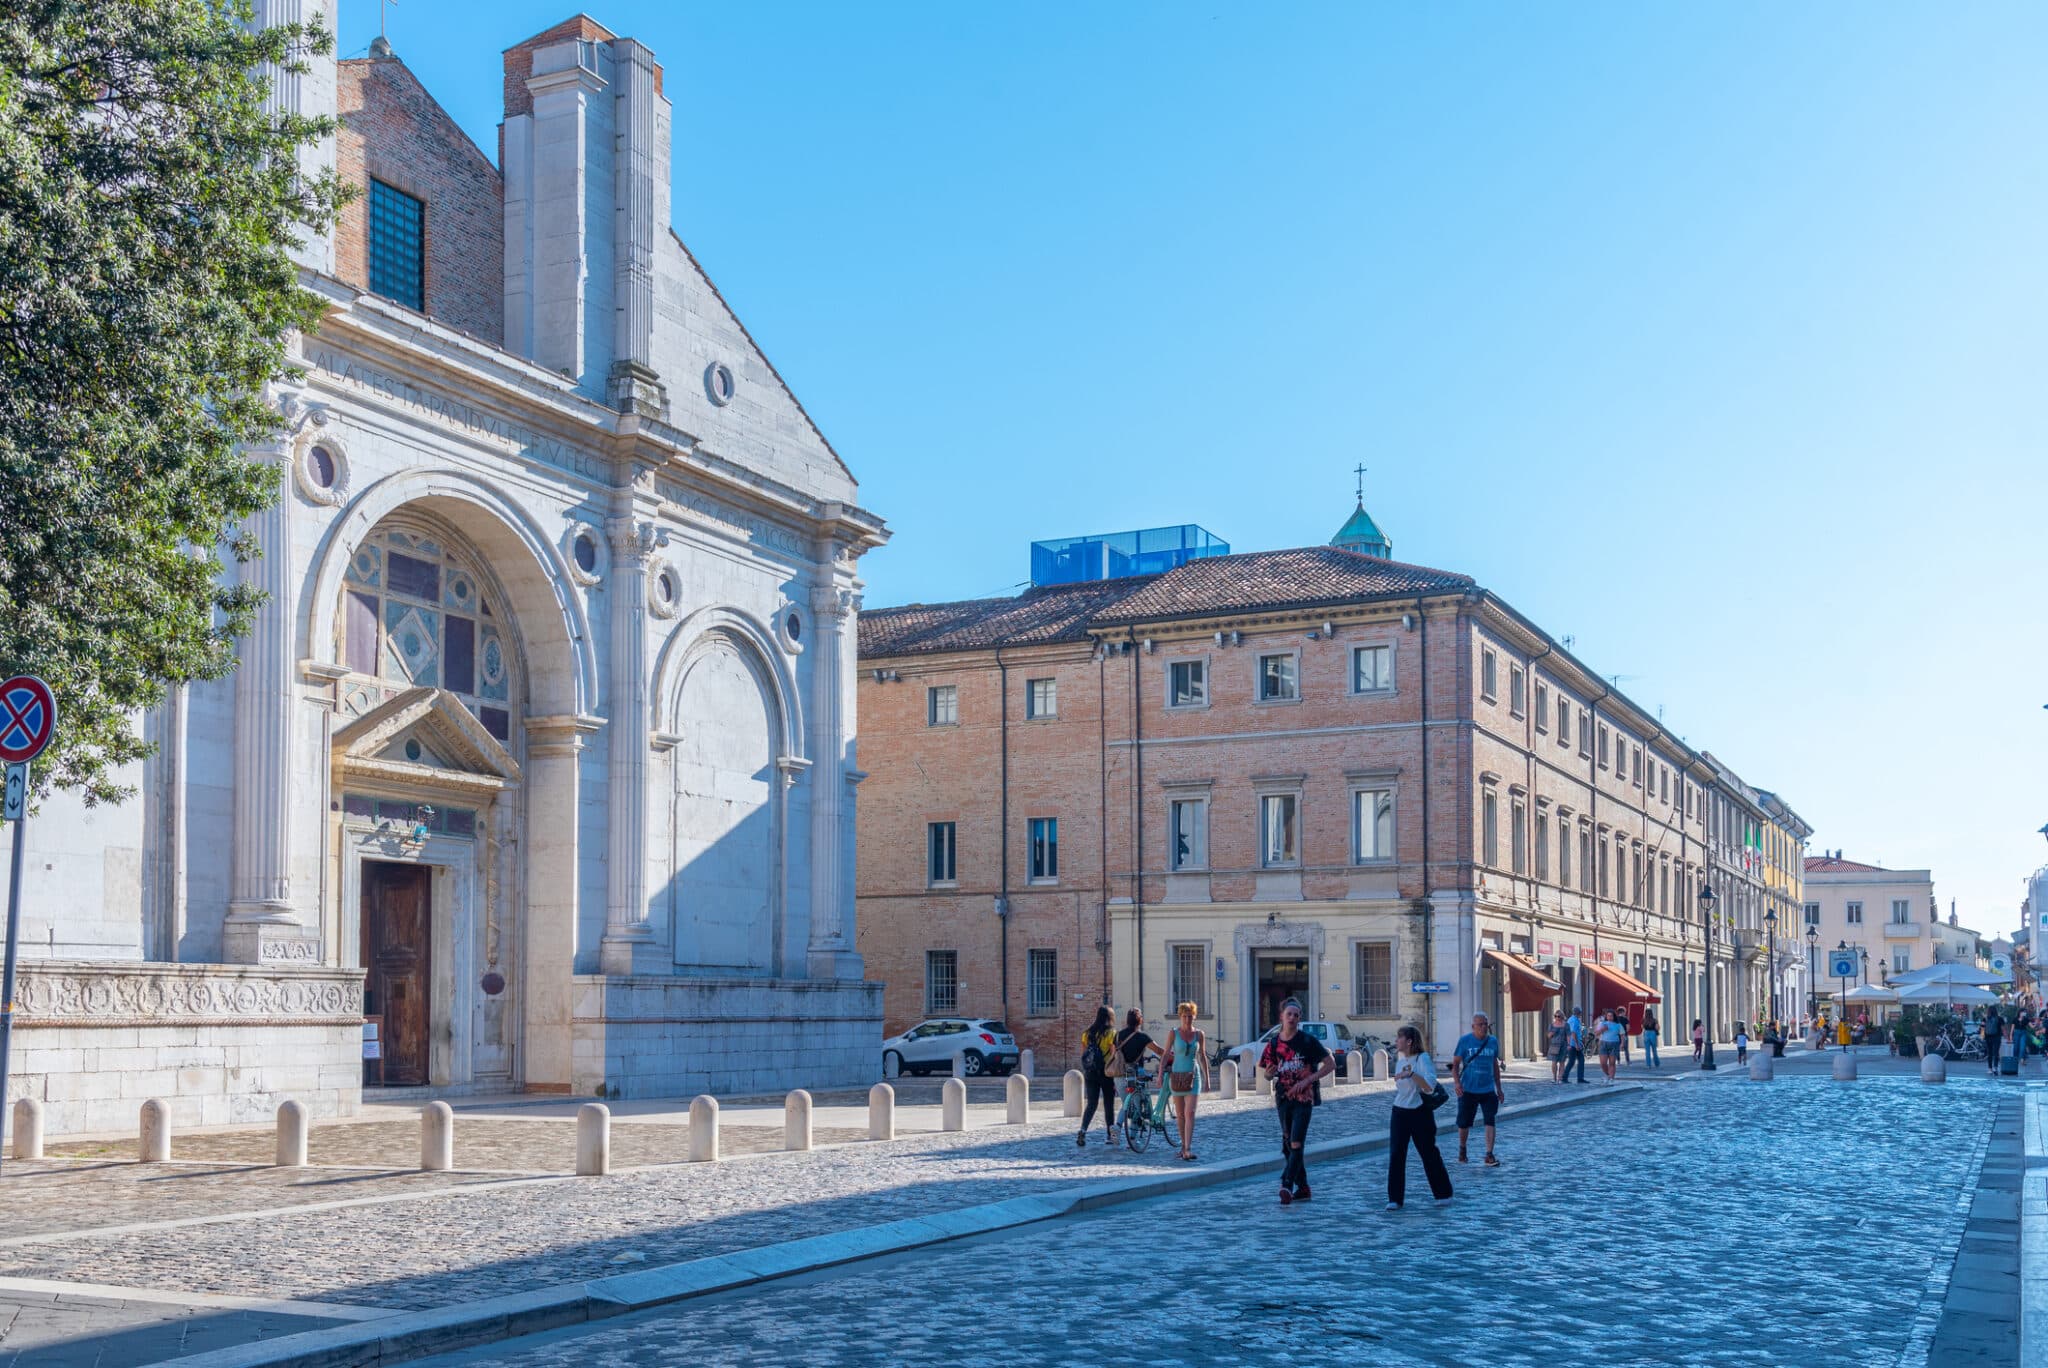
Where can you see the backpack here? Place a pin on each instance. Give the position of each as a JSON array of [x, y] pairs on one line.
[[1091, 1058]]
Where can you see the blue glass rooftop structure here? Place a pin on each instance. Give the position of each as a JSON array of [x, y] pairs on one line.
[[1112, 555]]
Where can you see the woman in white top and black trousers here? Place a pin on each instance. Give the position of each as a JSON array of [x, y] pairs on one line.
[[1413, 1122]]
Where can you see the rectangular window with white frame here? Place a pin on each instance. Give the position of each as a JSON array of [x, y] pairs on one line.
[[1603, 745], [1372, 979], [1372, 669], [941, 982], [1542, 846], [1041, 983], [1489, 676], [1518, 835], [940, 838], [1902, 960], [1279, 678], [1187, 684], [1585, 858], [1489, 829], [1187, 833], [1188, 970], [1585, 732], [1564, 721], [1516, 684], [942, 705], [1854, 914], [1637, 768], [1564, 851], [1813, 914], [1902, 911], [1372, 825], [1542, 706], [1045, 849], [1041, 698], [1279, 834]]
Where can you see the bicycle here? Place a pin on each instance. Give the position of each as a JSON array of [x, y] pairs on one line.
[[1139, 1102], [1948, 1047]]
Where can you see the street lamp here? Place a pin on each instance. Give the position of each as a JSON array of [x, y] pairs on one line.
[[1841, 947], [1771, 957], [1707, 930], [1812, 975], [1864, 957]]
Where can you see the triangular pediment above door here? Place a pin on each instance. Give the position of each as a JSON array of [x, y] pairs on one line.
[[424, 735]]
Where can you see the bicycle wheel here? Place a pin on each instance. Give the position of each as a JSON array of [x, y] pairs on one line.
[[1138, 1133]]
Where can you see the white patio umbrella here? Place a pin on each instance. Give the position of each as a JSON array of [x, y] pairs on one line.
[[1965, 993], [1947, 973], [1870, 992]]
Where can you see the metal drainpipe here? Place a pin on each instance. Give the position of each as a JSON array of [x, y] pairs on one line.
[[1137, 812], [1428, 907], [1102, 773], [1003, 911]]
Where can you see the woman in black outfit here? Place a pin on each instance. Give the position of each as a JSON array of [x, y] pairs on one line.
[[1097, 1043]]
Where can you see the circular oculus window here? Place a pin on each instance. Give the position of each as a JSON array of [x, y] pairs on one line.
[[719, 383], [584, 548]]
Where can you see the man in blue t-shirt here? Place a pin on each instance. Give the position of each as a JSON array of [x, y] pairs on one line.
[[1479, 1083]]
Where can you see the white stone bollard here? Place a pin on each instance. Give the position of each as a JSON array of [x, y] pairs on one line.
[[1933, 1069], [1247, 1071], [959, 1063], [1261, 1084], [593, 1140], [1359, 1066], [881, 1112], [1761, 1070], [1027, 1063], [291, 1134], [953, 1106], [1020, 1100], [704, 1130], [1845, 1066], [1226, 1083], [156, 1133], [437, 1137], [796, 1120], [892, 1065], [1073, 1091], [28, 1128]]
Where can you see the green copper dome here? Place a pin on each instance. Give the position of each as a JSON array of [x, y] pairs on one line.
[[1361, 534]]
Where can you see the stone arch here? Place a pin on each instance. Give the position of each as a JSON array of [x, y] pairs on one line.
[[523, 558], [704, 628]]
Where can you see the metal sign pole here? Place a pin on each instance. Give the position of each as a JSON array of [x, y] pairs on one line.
[[17, 806]]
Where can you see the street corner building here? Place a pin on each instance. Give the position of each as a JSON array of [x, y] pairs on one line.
[[537, 772], [1167, 773]]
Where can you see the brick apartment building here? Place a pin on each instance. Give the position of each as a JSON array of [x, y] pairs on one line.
[[1314, 772]]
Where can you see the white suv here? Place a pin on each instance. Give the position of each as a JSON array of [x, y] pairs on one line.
[[1335, 1036], [929, 1046]]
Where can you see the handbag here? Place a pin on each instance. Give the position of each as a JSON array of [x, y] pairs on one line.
[[1114, 1066], [1180, 1080], [1434, 1099]]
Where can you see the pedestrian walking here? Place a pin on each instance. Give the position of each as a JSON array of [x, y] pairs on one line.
[[1650, 1040], [1413, 1121], [1575, 1047], [1699, 1040], [1741, 1044], [1612, 1030], [1186, 1076], [1994, 1036], [1479, 1083], [1297, 1063], [1132, 1042], [1098, 1043], [1560, 1046]]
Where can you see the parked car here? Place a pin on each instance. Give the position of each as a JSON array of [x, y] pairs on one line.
[[1335, 1035], [928, 1047]]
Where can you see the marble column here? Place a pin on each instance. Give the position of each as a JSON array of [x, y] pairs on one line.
[[835, 608], [640, 221], [628, 936], [263, 922], [547, 968]]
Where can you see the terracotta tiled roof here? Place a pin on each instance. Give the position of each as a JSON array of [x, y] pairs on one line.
[[1830, 864], [1256, 581], [1055, 612]]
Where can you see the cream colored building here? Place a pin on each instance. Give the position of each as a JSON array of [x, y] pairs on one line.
[[1885, 915]]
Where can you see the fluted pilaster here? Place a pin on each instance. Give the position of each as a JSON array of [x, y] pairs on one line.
[[626, 931]]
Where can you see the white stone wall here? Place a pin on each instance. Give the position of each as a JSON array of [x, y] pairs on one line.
[[220, 1045], [666, 1037]]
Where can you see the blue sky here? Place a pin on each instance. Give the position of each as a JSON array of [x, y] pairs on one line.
[[1711, 335]]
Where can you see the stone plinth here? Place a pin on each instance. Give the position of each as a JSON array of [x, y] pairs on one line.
[[220, 1044], [655, 1036]]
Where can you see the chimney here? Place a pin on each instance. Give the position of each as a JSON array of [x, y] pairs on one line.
[[309, 94], [583, 150]]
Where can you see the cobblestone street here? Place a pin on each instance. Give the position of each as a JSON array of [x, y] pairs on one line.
[[1720, 1197]]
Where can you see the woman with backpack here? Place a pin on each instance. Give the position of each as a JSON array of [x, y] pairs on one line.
[[1417, 1095], [1098, 1043]]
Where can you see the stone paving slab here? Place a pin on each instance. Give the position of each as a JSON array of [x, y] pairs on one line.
[[96, 1332], [51, 1196], [523, 1236]]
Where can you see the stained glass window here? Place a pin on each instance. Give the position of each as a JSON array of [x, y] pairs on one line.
[[415, 614]]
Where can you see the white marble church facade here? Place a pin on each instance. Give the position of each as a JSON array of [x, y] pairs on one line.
[[541, 752]]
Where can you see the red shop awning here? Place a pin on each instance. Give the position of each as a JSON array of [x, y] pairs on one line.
[[1529, 988]]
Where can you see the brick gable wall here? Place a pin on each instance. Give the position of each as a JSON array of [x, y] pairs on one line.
[[392, 130]]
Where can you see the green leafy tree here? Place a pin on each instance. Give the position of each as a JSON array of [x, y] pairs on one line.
[[148, 204]]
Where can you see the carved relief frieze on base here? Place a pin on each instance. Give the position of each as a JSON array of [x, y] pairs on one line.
[[72, 993]]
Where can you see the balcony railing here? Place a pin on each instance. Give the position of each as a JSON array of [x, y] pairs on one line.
[[1904, 930]]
